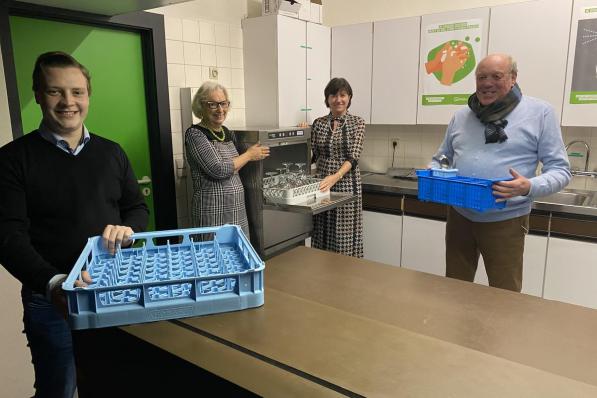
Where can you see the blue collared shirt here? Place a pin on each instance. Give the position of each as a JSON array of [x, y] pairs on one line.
[[57, 140]]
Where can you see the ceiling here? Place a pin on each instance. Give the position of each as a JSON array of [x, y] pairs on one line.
[[105, 7]]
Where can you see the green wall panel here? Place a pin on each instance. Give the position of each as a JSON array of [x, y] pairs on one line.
[[117, 107]]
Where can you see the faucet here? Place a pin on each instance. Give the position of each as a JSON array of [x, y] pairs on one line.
[[568, 145]]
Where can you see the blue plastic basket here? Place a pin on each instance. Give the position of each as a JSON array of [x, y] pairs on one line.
[[156, 282], [472, 193]]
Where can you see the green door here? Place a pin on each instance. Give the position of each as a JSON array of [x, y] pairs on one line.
[[117, 108]]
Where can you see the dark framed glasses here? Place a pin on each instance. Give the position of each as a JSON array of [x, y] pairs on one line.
[[213, 105]]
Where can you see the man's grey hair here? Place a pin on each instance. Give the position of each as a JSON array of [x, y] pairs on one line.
[[513, 65], [203, 94]]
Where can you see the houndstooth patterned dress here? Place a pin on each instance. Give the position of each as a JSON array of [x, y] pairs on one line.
[[218, 194], [339, 230]]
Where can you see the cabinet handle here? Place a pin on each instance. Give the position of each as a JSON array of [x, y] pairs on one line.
[[307, 47]]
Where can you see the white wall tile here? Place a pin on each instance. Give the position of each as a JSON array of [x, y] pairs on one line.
[[173, 28], [237, 97], [207, 33], [190, 30], [193, 75], [224, 77], [231, 118], [205, 73], [174, 52], [174, 97], [208, 55], [223, 56], [192, 53], [236, 58], [380, 148], [240, 117], [176, 75], [237, 78], [236, 37], [222, 34]]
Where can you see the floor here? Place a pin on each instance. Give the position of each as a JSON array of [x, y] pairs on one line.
[[16, 371]]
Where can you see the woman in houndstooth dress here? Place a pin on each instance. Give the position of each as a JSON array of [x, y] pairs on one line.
[[218, 194], [337, 142]]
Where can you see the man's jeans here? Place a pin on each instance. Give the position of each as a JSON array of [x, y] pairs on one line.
[[51, 346]]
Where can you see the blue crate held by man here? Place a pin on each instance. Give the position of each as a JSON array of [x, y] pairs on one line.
[[150, 282], [445, 186]]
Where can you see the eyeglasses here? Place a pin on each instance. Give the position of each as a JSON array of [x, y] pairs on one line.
[[496, 77], [214, 105]]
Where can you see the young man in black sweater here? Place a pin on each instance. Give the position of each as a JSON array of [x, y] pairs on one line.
[[60, 185]]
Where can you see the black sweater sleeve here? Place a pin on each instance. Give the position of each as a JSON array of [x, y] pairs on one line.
[[17, 254]]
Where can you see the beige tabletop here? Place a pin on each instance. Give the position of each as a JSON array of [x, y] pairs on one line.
[[338, 326]]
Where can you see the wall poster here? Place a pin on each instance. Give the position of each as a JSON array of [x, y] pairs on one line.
[[450, 52], [584, 72]]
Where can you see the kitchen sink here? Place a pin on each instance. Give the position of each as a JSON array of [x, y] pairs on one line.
[[569, 197]]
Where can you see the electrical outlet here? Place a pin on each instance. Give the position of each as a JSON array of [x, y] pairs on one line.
[[213, 73], [394, 143]]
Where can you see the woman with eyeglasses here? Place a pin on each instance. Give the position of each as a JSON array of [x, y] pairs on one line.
[[337, 143], [218, 195]]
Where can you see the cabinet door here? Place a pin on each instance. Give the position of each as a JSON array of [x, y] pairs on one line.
[[423, 245], [543, 42], [382, 234], [533, 269], [292, 71], [395, 71], [580, 95], [571, 272], [351, 59], [260, 57], [318, 69]]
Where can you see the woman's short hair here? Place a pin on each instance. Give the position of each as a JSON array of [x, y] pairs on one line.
[[336, 85], [202, 95], [56, 59]]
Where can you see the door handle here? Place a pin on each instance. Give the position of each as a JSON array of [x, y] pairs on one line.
[[144, 180]]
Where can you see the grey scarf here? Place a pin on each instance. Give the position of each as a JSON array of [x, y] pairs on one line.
[[493, 115]]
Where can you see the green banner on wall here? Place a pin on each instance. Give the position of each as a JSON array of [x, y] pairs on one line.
[[583, 97], [445, 99]]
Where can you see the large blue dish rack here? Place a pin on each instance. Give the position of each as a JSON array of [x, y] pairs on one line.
[[209, 270]]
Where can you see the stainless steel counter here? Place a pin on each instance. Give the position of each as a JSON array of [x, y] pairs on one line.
[[573, 202]]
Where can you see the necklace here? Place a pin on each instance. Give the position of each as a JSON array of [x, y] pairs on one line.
[[216, 136]]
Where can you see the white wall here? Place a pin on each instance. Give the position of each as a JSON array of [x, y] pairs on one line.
[[200, 35]]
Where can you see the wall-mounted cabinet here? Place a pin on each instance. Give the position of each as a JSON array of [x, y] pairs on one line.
[[286, 62], [395, 71], [535, 33], [352, 46], [452, 43], [318, 69], [580, 93]]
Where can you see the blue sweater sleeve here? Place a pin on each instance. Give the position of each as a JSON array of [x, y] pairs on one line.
[[555, 170]]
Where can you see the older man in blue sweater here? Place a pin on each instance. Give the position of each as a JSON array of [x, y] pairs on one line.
[[501, 134]]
